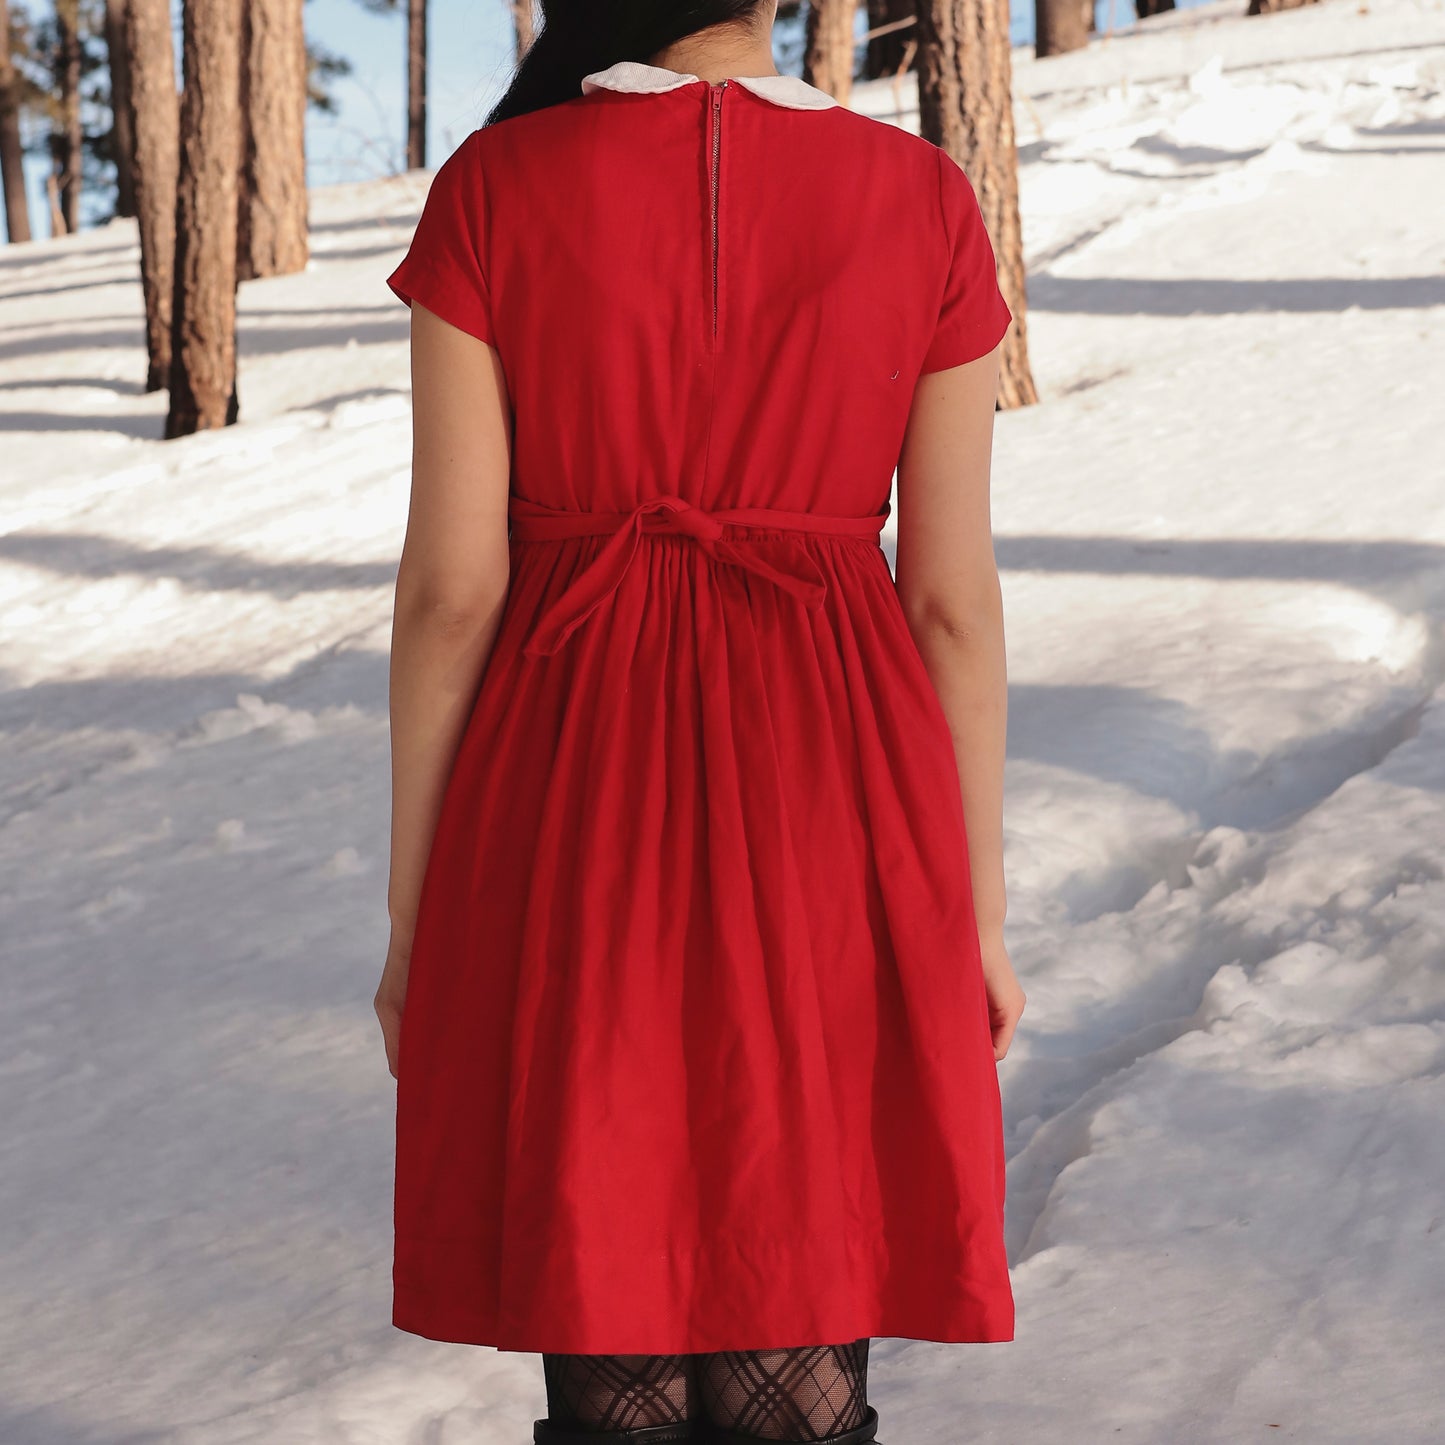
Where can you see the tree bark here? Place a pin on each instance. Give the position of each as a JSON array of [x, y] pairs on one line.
[[124, 140], [203, 322], [1268, 7], [965, 105], [12, 158], [888, 53], [155, 125], [68, 141], [1060, 26], [828, 52], [524, 22], [415, 83], [271, 207], [52, 200]]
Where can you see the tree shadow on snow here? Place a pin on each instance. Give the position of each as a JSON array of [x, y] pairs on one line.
[[1376, 567], [197, 568], [1224, 296]]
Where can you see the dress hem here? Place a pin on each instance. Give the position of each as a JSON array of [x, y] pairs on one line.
[[461, 1332]]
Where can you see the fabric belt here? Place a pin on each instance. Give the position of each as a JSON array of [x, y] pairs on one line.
[[532, 522]]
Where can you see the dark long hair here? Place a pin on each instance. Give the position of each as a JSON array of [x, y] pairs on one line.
[[580, 36]]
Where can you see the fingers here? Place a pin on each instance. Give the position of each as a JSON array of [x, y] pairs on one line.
[[1002, 1038], [389, 1016], [1005, 1021]]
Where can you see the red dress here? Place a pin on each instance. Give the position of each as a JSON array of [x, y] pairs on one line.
[[695, 1052]]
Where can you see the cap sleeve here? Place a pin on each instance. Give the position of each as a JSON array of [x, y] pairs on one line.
[[444, 267], [973, 315]]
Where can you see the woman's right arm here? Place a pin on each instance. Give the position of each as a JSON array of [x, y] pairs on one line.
[[451, 587], [947, 582]]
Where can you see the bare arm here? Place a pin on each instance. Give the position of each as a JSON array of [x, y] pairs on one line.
[[451, 584], [949, 588]]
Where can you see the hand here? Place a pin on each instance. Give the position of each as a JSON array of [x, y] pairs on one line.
[[391, 996], [1005, 997]]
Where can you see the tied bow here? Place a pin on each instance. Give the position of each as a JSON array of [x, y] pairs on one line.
[[600, 578]]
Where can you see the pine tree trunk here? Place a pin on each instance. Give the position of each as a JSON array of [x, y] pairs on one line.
[[524, 22], [203, 322], [12, 159], [52, 201], [155, 124], [124, 140], [1268, 7], [271, 237], [415, 84], [1059, 26], [828, 53], [68, 142], [965, 105], [887, 53]]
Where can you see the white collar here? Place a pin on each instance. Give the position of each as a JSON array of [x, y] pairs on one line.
[[636, 75]]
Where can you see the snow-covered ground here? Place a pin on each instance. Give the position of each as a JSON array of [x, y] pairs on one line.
[[1223, 535]]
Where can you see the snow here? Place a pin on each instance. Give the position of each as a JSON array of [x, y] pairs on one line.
[[1222, 538]]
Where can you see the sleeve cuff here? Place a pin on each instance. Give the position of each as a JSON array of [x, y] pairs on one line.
[[968, 346], [415, 281]]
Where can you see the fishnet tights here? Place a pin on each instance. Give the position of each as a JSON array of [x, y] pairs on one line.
[[801, 1394], [618, 1392]]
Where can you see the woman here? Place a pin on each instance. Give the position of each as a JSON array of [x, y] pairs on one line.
[[696, 986]]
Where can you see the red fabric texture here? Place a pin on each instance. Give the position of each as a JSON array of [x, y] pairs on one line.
[[695, 1053]]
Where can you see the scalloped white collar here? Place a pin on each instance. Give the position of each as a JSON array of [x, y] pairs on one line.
[[638, 76]]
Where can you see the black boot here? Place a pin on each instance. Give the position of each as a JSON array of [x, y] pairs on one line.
[[860, 1435], [544, 1432]]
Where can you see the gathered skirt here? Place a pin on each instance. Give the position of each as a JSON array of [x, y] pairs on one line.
[[695, 1052]]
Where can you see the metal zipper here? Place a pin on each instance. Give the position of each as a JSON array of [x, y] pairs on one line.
[[717, 96]]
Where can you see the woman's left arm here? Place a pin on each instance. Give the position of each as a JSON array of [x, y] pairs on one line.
[[450, 587]]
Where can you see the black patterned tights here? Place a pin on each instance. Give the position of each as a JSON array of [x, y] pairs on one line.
[[786, 1394]]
